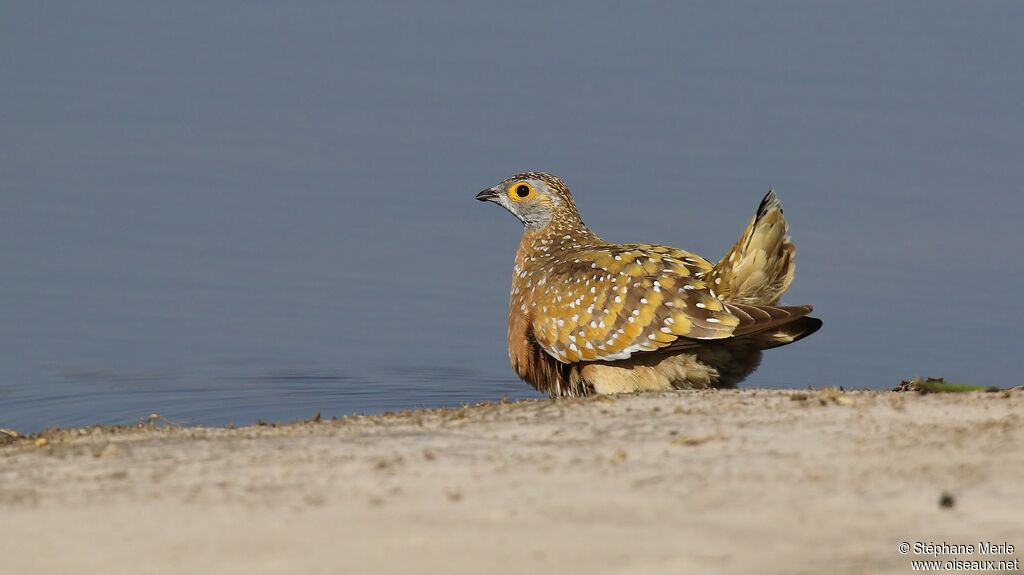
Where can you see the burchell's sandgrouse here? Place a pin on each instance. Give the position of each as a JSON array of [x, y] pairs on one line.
[[588, 316]]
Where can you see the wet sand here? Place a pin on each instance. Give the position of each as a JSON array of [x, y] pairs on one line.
[[696, 482]]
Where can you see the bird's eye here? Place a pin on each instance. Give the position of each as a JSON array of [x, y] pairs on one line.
[[521, 191]]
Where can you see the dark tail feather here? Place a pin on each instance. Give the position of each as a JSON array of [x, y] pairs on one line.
[[787, 334]]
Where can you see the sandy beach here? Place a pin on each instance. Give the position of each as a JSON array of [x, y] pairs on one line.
[[689, 482]]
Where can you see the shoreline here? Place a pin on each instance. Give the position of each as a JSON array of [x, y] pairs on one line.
[[698, 481]]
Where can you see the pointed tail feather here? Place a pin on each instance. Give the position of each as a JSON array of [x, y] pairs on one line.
[[787, 334], [759, 268]]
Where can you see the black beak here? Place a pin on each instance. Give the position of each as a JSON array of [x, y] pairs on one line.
[[487, 195]]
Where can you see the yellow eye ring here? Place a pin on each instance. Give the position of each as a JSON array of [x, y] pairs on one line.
[[521, 191]]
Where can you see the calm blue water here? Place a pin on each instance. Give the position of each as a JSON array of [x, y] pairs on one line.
[[232, 212]]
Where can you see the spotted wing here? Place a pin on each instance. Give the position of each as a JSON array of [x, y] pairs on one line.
[[606, 304]]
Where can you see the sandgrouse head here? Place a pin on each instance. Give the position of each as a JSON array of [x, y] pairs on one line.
[[536, 198]]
